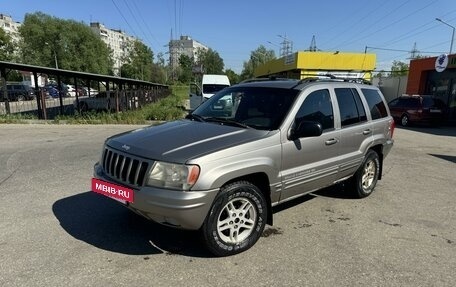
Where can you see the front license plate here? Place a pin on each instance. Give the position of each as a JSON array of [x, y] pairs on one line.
[[114, 191]]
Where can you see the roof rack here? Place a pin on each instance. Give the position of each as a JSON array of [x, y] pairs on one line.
[[331, 78]]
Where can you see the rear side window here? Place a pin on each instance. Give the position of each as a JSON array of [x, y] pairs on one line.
[[350, 106], [376, 106], [318, 107], [413, 103]]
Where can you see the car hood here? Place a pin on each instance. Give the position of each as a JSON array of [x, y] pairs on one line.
[[182, 140]]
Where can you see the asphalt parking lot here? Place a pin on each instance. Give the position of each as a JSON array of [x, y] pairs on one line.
[[55, 232]]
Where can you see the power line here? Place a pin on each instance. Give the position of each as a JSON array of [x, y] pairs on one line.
[[391, 24], [136, 21], [362, 8], [398, 50], [145, 23], [410, 34], [120, 12]]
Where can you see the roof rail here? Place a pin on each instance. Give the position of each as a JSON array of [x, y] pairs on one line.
[[331, 78], [270, 78]]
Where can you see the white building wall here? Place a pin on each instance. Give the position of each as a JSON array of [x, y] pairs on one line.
[[119, 42], [184, 46], [11, 27]]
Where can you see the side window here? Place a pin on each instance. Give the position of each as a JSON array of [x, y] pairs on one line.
[[394, 103], [350, 106], [359, 106], [318, 107], [375, 102]]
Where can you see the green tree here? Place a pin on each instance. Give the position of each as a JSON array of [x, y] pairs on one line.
[[234, 78], [138, 65], [186, 65], [159, 70], [50, 41], [6, 46], [399, 69], [381, 74], [258, 57], [210, 61]]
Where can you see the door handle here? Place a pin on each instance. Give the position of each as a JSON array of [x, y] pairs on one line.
[[331, 141], [367, 132]]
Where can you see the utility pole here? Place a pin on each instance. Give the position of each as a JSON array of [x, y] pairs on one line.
[[287, 46]]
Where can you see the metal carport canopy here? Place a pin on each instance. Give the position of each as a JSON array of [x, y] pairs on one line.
[[74, 74]]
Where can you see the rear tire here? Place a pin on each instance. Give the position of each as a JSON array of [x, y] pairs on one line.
[[236, 220], [405, 121], [366, 177]]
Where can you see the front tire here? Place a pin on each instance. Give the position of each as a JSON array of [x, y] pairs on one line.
[[236, 220], [365, 179]]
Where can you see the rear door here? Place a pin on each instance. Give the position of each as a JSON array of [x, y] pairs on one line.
[[311, 163], [355, 130]]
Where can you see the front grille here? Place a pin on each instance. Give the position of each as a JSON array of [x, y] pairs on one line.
[[124, 168]]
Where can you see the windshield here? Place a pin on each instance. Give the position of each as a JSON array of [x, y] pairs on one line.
[[213, 88], [253, 107]]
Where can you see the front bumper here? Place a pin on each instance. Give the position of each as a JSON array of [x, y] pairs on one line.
[[180, 209]]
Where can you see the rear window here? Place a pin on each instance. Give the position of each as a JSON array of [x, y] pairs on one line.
[[376, 105], [350, 106], [429, 102], [213, 88]]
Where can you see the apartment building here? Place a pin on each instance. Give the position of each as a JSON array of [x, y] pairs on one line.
[[118, 41], [11, 27], [184, 46]]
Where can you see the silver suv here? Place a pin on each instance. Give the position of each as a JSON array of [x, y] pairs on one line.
[[246, 149]]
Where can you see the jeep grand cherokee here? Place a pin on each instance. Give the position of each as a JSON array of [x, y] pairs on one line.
[[246, 149]]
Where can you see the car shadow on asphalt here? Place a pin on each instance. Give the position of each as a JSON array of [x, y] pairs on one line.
[[438, 131], [449, 158], [106, 224]]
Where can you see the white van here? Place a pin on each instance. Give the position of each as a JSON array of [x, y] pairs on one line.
[[210, 85]]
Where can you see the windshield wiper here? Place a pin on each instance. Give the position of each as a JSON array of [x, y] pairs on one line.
[[195, 117], [225, 121]]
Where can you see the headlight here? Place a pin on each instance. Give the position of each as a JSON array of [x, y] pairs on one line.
[[174, 176]]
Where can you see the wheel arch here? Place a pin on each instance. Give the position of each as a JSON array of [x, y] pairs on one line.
[[379, 150], [260, 180]]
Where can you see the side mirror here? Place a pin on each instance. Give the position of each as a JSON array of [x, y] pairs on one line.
[[305, 129]]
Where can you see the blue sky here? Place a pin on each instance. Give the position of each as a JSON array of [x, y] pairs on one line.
[[234, 28]]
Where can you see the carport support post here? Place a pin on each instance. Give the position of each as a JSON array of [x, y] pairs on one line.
[[5, 91], [38, 97], [77, 96], [59, 86]]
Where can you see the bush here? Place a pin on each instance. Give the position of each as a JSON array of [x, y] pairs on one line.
[[165, 109]]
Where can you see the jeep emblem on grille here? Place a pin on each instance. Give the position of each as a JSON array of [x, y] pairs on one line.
[[125, 147]]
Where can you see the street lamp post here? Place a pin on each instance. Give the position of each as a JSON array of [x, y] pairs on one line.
[[452, 35], [55, 59], [55, 55]]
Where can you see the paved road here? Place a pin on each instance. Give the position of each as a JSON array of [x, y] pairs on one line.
[[55, 232]]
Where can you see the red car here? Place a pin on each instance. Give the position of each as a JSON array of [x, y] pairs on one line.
[[417, 109]]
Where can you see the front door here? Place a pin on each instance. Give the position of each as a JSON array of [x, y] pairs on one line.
[[311, 163]]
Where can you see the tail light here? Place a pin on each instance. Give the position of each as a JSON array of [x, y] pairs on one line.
[[391, 128]]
